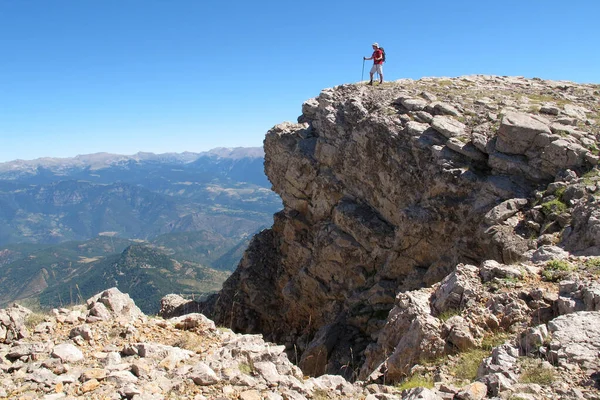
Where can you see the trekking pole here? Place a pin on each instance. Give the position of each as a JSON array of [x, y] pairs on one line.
[[363, 71]]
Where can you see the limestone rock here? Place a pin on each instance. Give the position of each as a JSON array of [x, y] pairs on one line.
[[67, 352], [203, 375], [517, 133], [448, 126], [578, 338], [116, 303]]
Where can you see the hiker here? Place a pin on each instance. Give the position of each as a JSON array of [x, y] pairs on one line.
[[377, 58]]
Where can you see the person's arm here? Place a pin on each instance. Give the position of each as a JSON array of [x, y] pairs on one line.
[[365, 58]]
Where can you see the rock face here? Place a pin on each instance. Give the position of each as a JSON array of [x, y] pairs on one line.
[[387, 189]]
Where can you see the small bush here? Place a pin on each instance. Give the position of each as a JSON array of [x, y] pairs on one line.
[[556, 270], [558, 265], [534, 371], [494, 340], [189, 341], [593, 265], [446, 315], [553, 206], [416, 381], [468, 363], [34, 319], [246, 368]]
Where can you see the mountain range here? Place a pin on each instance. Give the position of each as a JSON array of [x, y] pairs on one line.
[[69, 227]]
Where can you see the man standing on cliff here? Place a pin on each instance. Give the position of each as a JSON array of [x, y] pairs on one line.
[[377, 58]]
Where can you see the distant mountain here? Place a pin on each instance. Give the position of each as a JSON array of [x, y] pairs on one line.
[[149, 223], [66, 273], [141, 196]]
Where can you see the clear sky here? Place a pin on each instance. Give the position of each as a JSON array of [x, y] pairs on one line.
[[122, 76]]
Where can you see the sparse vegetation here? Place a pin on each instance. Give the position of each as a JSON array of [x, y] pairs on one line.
[[246, 368], [34, 319], [534, 371], [556, 270], [593, 265], [493, 340], [553, 206], [446, 315], [468, 362], [416, 381], [189, 341]]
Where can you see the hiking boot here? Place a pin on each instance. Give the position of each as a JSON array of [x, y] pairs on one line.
[[370, 83]]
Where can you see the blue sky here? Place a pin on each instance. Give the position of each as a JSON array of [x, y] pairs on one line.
[[122, 76]]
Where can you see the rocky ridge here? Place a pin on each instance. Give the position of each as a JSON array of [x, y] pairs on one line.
[[387, 189]]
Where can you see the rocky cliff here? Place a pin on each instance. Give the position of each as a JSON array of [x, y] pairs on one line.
[[441, 234], [387, 189]]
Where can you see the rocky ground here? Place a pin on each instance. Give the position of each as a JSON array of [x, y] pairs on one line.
[[485, 331]]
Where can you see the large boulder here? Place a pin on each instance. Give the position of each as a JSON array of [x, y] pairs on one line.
[[12, 323], [112, 303], [518, 131], [576, 339]]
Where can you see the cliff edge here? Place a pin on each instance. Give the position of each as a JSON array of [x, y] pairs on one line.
[[388, 189]]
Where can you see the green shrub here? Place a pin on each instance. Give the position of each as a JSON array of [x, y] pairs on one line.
[[556, 270], [494, 340], [558, 265], [416, 381], [34, 319], [593, 265], [246, 368], [535, 372], [553, 206], [468, 363], [446, 315]]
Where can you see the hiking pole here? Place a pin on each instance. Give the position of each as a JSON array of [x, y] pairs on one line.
[[362, 75]]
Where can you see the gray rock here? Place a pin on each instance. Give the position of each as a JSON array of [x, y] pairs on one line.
[[456, 332], [561, 154], [457, 290], [491, 269], [547, 253], [160, 351], [420, 394], [121, 378], [413, 104], [575, 111], [84, 331], [203, 375], [467, 149], [67, 352], [117, 303], [416, 128], [194, 321], [411, 331], [504, 210], [549, 109], [532, 338], [441, 108], [473, 391], [171, 304], [43, 376], [517, 133], [448, 126], [578, 335]]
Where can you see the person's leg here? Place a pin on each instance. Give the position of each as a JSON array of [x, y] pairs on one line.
[[380, 71], [371, 73]]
